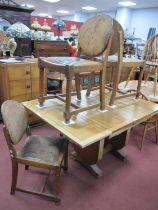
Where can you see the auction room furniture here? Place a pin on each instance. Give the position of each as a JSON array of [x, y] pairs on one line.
[[95, 38], [117, 63], [147, 88], [150, 55], [38, 151], [50, 48], [19, 80], [92, 130]]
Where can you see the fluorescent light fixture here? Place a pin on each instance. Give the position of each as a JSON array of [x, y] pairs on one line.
[[27, 5], [52, 1], [89, 8], [127, 3], [49, 16], [43, 14], [62, 11]]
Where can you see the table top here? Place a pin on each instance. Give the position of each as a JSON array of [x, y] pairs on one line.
[[5, 61], [146, 88], [91, 126]]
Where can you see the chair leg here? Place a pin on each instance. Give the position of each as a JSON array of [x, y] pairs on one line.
[[14, 177], [144, 133], [129, 77], [57, 181], [26, 167], [156, 132], [77, 84], [90, 84], [66, 158]]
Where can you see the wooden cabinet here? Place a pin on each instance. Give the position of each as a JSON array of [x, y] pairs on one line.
[[20, 81], [51, 48]]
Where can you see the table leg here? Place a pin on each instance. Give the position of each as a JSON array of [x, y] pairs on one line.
[[89, 156], [116, 143]]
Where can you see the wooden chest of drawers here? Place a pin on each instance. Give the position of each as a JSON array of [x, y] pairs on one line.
[[20, 81], [51, 48]]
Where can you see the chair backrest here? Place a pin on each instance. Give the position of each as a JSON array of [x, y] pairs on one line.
[[151, 49], [94, 35], [116, 42], [15, 119]]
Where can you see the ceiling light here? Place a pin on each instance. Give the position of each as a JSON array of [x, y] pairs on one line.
[[127, 3], [62, 11], [52, 1], [43, 14], [27, 5], [89, 8]]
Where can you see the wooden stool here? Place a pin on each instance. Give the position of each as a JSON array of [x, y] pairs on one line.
[[95, 38]]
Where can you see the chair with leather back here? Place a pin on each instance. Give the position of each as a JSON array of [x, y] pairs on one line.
[[44, 152], [95, 37], [116, 49]]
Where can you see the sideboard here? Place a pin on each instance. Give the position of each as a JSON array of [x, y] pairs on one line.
[[20, 81]]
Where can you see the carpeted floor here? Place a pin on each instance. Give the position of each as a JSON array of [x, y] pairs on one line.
[[129, 185]]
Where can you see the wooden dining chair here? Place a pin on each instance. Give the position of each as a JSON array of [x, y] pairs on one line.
[[151, 56], [43, 152], [95, 38], [150, 124], [115, 48]]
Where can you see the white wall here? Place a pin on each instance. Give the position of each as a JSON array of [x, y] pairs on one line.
[[142, 20], [124, 16]]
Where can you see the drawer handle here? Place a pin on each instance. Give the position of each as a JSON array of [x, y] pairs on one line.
[[27, 72], [28, 86]]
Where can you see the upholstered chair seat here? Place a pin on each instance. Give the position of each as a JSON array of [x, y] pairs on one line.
[[44, 149]]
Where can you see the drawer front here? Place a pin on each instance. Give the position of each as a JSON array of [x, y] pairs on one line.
[[20, 87], [18, 71]]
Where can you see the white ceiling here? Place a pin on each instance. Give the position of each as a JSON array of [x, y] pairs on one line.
[[75, 5]]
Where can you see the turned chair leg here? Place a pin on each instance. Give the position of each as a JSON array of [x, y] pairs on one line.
[[156, 132], [90, 84], [67, 114], [143, 138], [57, 183], [66, 158], [26, 167], [14, 177], [129, 77], [77, 84]]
